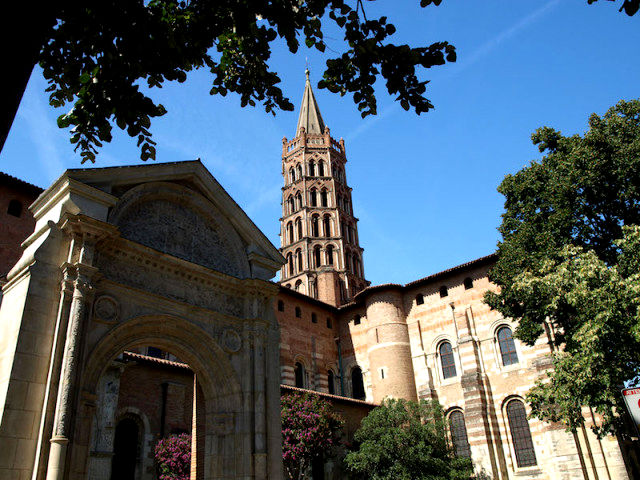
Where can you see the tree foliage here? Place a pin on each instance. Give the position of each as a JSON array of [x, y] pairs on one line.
[[563, 217], [173, 457], [602, 347], [403, 440], [100, 53], [630, 7], [310, 430]]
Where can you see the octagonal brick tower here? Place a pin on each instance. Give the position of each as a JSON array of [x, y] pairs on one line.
[[319, 233]]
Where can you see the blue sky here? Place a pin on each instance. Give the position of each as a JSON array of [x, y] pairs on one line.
[[424, 187]]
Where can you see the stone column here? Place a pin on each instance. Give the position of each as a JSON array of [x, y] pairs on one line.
[[49, 404], [259, 405], [63, 419], [274, 424]]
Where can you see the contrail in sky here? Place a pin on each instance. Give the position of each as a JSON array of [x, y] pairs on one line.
[[482, 51]]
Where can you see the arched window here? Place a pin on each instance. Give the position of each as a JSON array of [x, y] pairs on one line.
[[299, 375], [419, 299], [298, 285], [520, 434], [468, 283], [290, 262], [298, 200], [289, 232], [315, 227], [329, 254], [356, 265], [291, 203], [292, 174], [326, 225], [321, 168], [348, 260], [324, 199], [314, 318], [331, 382], [444, 291], [280, 306], [445, 352], [357, 384], [507, 346], [459, 437], [316, 256], [313, 197], [312, 169], [15, 208], [298, 312], [347, 207], [299, 227], [299, 261], [350, 234], [299, 171]]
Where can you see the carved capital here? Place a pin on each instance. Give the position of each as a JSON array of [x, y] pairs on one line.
[[68, 278]]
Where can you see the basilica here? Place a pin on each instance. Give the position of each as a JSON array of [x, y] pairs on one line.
[[137, 302]]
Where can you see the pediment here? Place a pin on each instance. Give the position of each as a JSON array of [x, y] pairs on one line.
[[177, 208]]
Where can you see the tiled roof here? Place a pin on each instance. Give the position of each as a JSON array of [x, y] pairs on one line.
[[11, 180], [327, 395], [491, 258], [306, 298], [159, 361], [487, 259], [169, 363]]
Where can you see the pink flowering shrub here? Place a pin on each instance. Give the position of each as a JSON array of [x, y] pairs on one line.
[[173, 456], [309, 429]]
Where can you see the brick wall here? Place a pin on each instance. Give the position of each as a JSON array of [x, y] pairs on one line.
[[302, 340], [14, 229]]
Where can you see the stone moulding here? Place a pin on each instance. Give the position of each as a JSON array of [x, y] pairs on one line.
[[106, 309]]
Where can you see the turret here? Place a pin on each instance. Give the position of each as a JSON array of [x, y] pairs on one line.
[[389, 350]]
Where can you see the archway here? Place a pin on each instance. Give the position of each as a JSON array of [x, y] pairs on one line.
[[216, 403]]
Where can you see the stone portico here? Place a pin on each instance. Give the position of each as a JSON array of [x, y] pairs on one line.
[[124, 257]]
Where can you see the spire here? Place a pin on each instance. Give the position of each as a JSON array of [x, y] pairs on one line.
[[310, 117]]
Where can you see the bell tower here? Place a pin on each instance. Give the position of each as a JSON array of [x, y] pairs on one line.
[[318, 231]]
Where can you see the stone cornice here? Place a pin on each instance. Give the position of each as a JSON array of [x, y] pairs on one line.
[[88, 226], [65, 186], [166, 263]]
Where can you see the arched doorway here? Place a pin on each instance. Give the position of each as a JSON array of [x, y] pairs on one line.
[[126, 447], [357, 384]]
